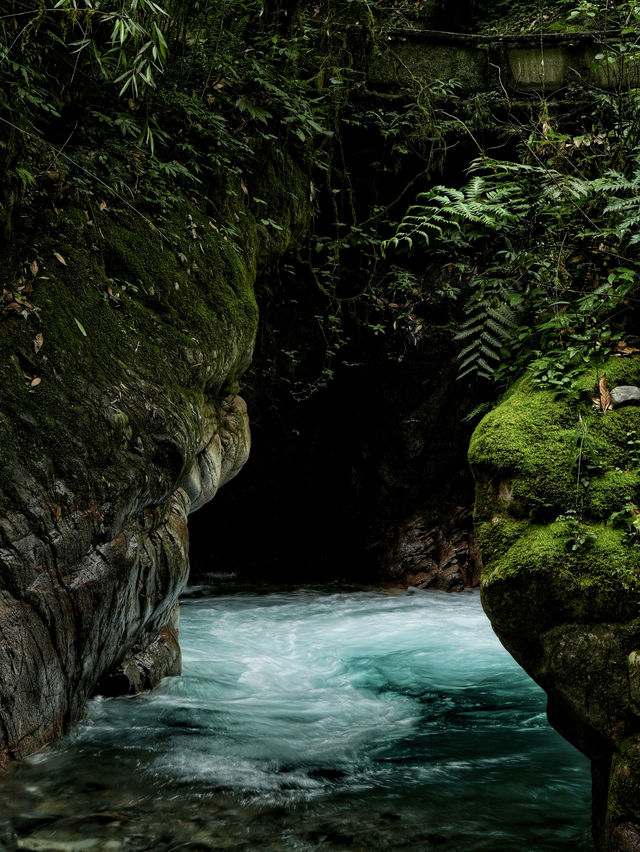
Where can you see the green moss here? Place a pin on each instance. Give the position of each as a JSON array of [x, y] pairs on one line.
[[525, 447], [115, 402], [538, 549], [609, 492], [499, 534], [524, 456], [623, 799]]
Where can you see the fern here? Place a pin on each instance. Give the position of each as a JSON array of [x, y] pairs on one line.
[[485, 331], [495, 201]]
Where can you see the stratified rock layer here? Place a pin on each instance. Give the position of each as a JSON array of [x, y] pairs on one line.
[[561, 581], [119, 415]]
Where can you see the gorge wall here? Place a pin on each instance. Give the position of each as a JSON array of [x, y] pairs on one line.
[[120, 415]]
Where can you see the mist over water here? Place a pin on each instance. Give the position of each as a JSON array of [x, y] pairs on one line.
[[315, 720]]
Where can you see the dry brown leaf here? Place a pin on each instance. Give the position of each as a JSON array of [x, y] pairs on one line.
[[23, 302], [35, 382], [58, 512], [605, 396], [102, 205], [244, 187], [38, 341], [622, 349], [34, 267], [59, 257]]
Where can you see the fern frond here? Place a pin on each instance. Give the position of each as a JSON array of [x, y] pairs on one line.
[[484, 333]]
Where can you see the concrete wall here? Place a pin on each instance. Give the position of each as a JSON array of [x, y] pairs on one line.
[[544, 64]]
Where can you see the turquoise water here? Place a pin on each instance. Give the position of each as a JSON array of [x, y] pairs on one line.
[[315, 720]]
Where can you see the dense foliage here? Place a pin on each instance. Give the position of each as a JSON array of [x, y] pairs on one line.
[[141, 104], [546, 243]]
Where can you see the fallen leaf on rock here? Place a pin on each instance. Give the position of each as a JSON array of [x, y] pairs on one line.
[[58, 511], [59, 257], [38, 341], [35, 382], [602, 399]]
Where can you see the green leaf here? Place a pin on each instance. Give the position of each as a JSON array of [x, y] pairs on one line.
[[259, 113]]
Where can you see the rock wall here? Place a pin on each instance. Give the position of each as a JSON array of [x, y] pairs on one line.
[[121, 349], [561, 581]]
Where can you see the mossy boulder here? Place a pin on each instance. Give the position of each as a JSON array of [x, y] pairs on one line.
[[556, 486]]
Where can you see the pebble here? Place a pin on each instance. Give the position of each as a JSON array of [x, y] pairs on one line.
[[625, 394]]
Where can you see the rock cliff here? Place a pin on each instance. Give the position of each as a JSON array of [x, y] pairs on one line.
[[121, 349], [561, 579]]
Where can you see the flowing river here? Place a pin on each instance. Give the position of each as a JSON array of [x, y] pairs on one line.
[[314, 720]]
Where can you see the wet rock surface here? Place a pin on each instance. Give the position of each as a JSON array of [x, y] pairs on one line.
[[88, 606], [133, 420], [442, 557]]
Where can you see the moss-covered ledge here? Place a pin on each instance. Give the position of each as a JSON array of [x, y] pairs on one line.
[[561, 582]]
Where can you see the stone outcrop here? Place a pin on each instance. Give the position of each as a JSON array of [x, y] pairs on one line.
[[121, 351], [561, 578], [442, 557]]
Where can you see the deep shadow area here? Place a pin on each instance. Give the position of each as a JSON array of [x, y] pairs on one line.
[[333, 482]]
